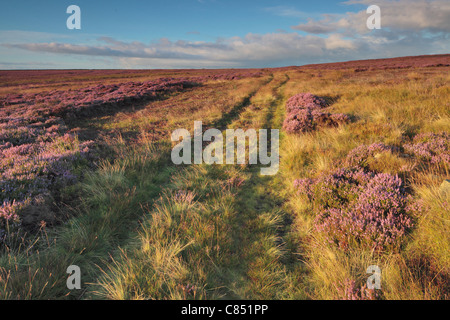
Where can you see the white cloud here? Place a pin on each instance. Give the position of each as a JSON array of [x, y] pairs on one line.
[[401, 15], [253, 49], [336, 41]]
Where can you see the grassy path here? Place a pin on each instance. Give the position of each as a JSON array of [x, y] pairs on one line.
[[109, 278], [219, 232], [262, 261]]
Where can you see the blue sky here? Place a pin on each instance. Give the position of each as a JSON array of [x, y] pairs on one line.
[[215, 33]]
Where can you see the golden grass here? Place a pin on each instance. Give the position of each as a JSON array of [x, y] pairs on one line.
[[387, 107]]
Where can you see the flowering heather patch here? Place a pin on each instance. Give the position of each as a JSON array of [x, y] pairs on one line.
[[38, 158], [360, 208], [83, 102], [31, 78], [300, 121], [360, 155], [433, 147], [303, 114], [305, 101], [309, 119], [336, 189], [37, 170]]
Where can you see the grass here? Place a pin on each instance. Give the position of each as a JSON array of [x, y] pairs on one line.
[[391, 114], [146, 229], [105, 218], [215, 234]]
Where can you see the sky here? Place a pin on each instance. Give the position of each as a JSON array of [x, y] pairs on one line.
[[147, 34]]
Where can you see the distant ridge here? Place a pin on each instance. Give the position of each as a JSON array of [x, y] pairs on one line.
[[437, 60]]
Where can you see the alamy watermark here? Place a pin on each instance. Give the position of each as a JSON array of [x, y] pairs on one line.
[[234, 144], [374, 21], [374, 281], [74, 280], [74, 20]]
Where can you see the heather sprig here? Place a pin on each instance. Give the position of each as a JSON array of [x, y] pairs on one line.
[[348, 290], [9, 217]]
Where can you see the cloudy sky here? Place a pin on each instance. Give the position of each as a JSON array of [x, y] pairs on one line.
[[216, 33]]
